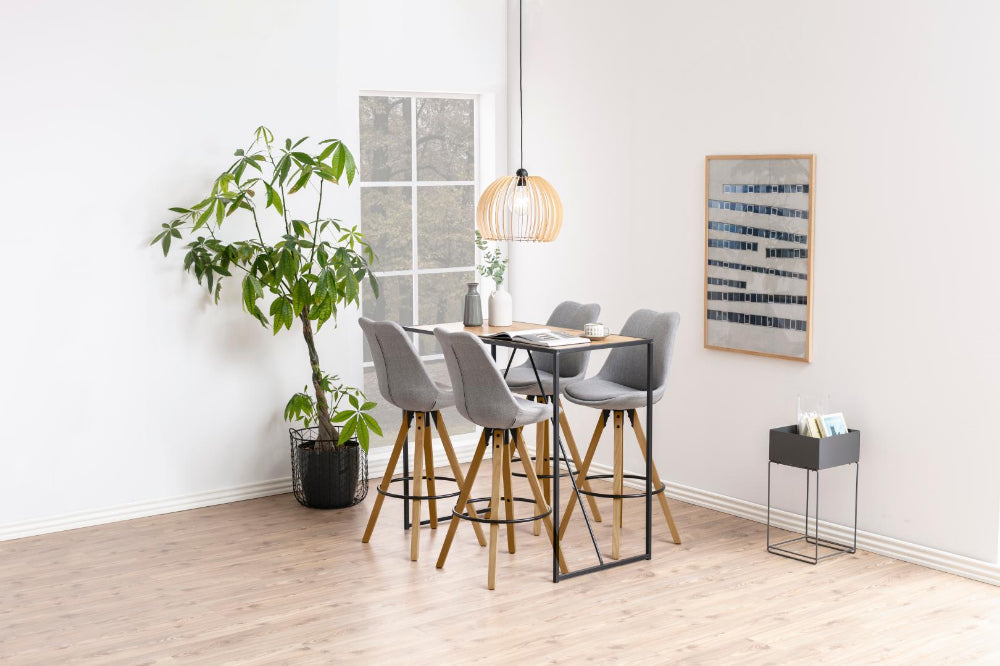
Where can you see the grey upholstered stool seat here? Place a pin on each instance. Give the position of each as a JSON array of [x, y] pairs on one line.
[[405, 383], [619, 389], [606, 394], [482, 396], [568, 314]]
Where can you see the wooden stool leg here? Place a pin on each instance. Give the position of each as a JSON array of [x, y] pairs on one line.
[[495, 506], [418, 484], [456, 468], [390, 469], [540, 429], [508, 494], [581, 473], [640, 436], [429, 466], [619, 470], [536, 490], [463, 498], [575, 452]]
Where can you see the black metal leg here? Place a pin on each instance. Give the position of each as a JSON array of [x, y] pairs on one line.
[[816, 532], [649, 450], [555, 467], [806, 531], [769, 505], [856, 473]]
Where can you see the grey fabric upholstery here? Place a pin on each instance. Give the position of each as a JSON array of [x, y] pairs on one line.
[[572, 367], [481, 395], [621, 383], [402, 378]]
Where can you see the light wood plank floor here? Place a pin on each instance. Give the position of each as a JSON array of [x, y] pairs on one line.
[[267, 581]]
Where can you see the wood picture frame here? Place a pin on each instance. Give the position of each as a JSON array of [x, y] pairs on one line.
[[759, 254]]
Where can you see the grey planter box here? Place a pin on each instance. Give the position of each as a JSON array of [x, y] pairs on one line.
[[788, 447]]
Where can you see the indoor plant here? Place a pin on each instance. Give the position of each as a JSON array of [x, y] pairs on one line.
[[494, 266], [311, 267]]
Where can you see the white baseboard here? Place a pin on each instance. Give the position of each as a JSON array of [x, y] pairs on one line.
[[464, 447], [377, 461], [143, 509], [873, 543]]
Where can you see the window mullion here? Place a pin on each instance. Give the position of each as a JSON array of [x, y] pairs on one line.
[[413, 215]]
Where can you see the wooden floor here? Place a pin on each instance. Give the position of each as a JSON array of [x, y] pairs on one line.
[[267, 581]]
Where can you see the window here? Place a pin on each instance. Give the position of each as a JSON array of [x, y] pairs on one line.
[[419, 182]]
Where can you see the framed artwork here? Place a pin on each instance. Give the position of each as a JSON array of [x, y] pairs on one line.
[[759, 218]]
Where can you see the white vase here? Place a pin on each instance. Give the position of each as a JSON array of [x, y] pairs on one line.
[[500, 308]]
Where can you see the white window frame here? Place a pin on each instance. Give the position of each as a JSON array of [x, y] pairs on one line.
[[415, 271]]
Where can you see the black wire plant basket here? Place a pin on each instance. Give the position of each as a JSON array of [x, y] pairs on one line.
[[324, 475]]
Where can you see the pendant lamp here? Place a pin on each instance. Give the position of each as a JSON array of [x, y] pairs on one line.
[[520, 207]]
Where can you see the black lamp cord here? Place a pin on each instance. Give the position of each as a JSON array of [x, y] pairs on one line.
[[520, 73]]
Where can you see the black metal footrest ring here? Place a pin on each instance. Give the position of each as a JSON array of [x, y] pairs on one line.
[[637, 477], [501, 521], [403, 496], [562, 475]]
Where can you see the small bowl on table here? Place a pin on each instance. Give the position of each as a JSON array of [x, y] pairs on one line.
[[595, 331]]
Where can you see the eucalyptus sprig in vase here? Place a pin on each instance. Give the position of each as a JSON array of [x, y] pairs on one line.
[[494, 266]]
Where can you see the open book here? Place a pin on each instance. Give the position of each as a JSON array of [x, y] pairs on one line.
[[542, 337]]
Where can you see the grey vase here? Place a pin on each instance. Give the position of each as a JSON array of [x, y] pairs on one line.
[[473, 314]]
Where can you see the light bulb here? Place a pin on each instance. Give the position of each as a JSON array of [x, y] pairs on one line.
[[520, 202]]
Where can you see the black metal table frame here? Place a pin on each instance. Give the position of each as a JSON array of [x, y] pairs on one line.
[[558, 452], [814, 540]]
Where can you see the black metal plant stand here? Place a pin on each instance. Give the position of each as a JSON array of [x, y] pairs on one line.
[[788, 447]]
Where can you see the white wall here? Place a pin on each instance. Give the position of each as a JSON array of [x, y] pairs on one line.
[[898, 102], [121, 382]]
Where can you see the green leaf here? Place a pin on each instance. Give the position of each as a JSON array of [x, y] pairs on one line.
[[301, 296], [281, 309], [339, 417], [332, 145], [347, 431], [301, 181], [372, 424], [203, 217], [288, 265], [176, 209], [165, 243], [363, 436], [350, 287], [373, 281], [350, 168], [338, 160]]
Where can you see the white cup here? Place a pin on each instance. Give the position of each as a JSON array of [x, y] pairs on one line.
[[595, 330]]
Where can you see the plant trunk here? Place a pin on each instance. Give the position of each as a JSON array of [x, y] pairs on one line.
[[326, 429]]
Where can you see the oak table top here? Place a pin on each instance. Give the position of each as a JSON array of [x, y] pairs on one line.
[[485, 330]]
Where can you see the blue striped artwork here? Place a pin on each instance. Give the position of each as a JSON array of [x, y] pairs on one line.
[[758, 217]]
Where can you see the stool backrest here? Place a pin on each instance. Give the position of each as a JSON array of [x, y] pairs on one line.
[[627, 365], [569, 314], [481, 394], [402, 378]]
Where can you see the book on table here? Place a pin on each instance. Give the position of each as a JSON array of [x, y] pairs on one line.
[[542, 337]]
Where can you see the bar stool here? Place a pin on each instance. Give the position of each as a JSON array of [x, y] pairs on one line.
[[618, 390], [404, 382], [523, 379], [482, 396]]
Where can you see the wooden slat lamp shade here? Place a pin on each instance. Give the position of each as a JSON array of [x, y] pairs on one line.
[[540, 219]]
